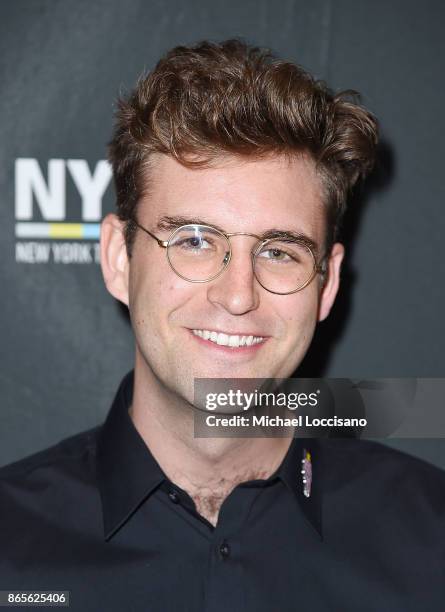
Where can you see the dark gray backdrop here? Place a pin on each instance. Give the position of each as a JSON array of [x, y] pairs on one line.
[[65, 343]]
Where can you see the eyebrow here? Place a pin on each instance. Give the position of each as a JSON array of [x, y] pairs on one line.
[[168, 223]]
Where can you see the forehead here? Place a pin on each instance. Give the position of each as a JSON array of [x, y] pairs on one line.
[[238, 194]]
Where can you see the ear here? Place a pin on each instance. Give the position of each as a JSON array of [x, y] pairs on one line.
[[332, 281], [113, 257]]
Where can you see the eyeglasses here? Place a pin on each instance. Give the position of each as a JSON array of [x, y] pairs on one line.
[[200, 253]]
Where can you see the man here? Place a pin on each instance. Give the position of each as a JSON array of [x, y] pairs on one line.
[[231, 171]]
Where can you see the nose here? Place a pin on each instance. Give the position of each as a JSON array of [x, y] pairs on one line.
[[236, 289]]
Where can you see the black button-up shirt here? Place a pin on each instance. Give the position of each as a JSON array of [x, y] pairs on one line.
[[96, 516]]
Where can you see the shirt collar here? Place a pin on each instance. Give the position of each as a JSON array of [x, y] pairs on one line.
[[128, 473]]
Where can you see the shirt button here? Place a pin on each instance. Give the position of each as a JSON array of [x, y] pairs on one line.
[[224, 549], [174, 497]]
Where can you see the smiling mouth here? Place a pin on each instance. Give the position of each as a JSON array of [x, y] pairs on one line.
[[232, 341]]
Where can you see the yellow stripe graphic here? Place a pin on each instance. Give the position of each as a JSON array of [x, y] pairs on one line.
[[65, 230]]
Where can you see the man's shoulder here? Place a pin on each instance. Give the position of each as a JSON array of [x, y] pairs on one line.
[[379, 471], [45, 499], [76, 449]]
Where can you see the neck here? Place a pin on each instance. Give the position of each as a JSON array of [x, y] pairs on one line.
[[208, 469]]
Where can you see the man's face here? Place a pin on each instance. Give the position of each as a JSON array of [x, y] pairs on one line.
[[166, 311]]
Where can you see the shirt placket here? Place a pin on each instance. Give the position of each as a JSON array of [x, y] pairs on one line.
[[224, 588]]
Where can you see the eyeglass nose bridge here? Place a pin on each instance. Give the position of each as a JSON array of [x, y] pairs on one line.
[[243, 234], [228, 256], [253, 251]]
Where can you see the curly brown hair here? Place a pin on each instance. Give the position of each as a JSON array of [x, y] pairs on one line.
[[211, 99]]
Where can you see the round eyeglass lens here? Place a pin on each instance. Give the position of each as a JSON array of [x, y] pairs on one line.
[[284, 267], [197, 252]]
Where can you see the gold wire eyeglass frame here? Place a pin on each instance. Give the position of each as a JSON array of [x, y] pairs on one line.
[[164, 244]]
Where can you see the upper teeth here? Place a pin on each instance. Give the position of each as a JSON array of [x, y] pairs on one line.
[[225, 339]]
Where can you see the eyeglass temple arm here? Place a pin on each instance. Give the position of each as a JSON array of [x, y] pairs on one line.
[[162, 243], [321, 267]]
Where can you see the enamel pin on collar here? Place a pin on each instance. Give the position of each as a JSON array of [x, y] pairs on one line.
[[306, 471]]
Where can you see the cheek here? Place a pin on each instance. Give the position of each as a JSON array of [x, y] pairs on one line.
[[301, 318], [145, 304], [156, 296]]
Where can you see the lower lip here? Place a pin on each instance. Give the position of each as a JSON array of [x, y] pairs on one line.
[[231, 350]]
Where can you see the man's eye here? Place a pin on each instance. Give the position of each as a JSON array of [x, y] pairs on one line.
[[276, 255], [194, 243]]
